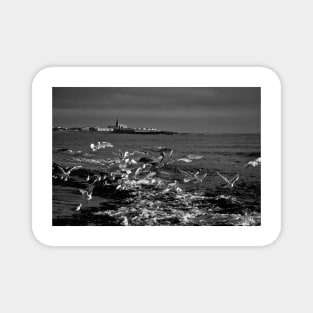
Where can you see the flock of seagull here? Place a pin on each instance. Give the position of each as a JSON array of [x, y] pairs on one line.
[[129, 170]]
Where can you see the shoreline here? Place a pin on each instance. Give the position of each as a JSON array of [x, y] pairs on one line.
[[155, 133]]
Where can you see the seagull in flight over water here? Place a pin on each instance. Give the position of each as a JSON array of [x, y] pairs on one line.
[[87, 194], [254, 163], [229, 182], [188, 158], [64, 173], [193, 176], [100, 145], [152, 160]]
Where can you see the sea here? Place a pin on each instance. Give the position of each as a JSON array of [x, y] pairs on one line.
[[206, 203]]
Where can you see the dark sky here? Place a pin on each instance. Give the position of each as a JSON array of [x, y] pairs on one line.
[[182, 109]]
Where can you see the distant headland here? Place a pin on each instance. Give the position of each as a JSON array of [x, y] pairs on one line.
[[118, 128]]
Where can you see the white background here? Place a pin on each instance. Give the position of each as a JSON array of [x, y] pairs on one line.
[[36, 34], [262, 77]]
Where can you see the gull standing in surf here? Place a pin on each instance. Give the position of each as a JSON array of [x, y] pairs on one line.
[[229, 182]]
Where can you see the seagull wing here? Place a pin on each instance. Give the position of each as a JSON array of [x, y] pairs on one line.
[[106, 144], [186, 173], [93, 147], [184, 160], [203, 177], [91, 187], [223, 177], [247, 165], [137, 171], [163, 149], [137, 152], [158, 159], [83, 192], [132, 161], [233, 180], [163, 173], [74, 168], [194, 156], [169, 158], [172, 184], [151, 174], [61, 169]]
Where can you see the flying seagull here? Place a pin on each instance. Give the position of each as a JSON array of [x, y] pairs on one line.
[[188, 176], [79, 207], [229, 182], [152, 160], [87, 194], [64, 173], [193, 176], [194, 156], [162, 149], [100, 145], [254, 163], [188, 158]]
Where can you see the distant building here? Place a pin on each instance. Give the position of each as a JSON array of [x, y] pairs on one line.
[[145, 130], [118, 125], [102, 129], [124, 129], [59, 128], [117, 128]]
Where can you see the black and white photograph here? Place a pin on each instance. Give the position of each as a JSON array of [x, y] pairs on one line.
[[156, 156], [153, 156]]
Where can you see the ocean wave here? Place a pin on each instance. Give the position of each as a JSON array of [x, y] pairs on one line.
[[251, 154], [72, 152]]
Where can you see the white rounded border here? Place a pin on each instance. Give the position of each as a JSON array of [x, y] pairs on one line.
[[262, 77]]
